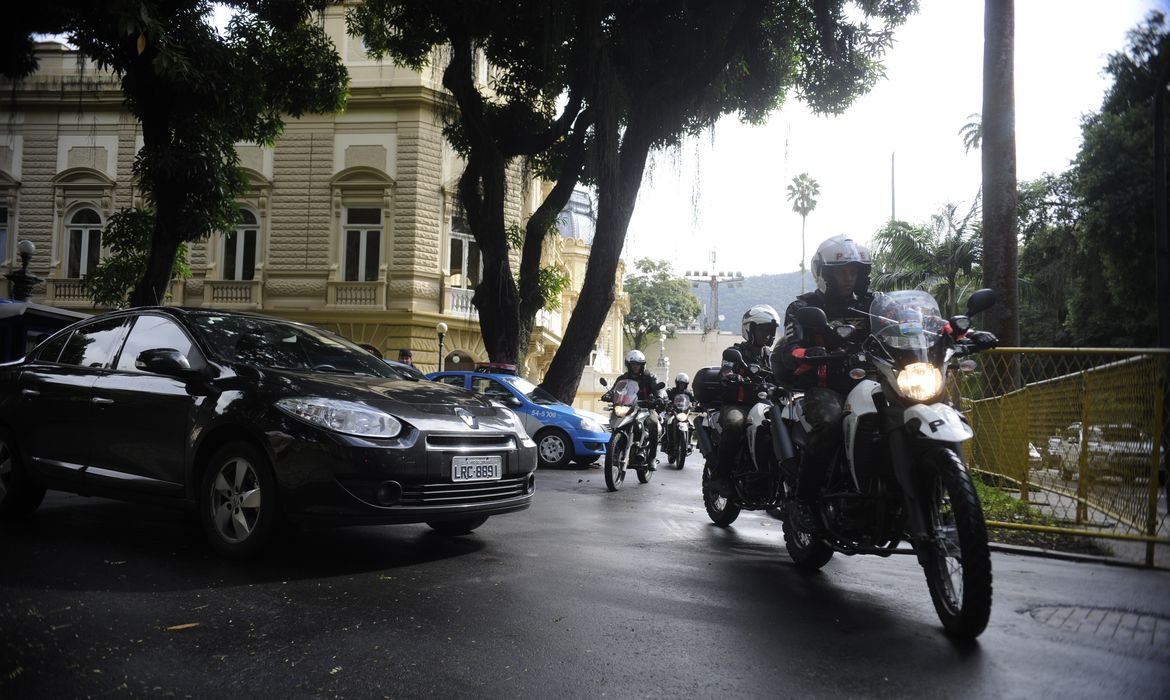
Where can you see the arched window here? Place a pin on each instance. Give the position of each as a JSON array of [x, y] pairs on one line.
[[84, 242], [239, 248]]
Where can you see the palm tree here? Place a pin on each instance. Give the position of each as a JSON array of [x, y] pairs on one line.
[[941, 258], [802, 193], [972, 133]]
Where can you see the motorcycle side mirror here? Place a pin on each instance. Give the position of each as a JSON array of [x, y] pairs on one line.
[[732, 355], [661, 385], [981, 300], [811, 317], [602, 382], [959, 325], [754, 369]]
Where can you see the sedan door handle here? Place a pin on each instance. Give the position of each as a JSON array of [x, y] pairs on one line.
[[102, 401]]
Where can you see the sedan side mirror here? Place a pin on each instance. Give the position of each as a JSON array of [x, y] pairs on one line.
[[166, 361], [514, 402]]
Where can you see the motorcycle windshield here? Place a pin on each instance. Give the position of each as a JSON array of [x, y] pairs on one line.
[[625, 393], [908, 324], [682, 403]]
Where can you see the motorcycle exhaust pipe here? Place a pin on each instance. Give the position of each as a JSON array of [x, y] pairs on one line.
[[781, 439]]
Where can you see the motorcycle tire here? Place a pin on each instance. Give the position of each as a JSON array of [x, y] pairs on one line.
[[808, 551], [616, 457], [719, 507], [644, 475], [681, 458], [958, 570]]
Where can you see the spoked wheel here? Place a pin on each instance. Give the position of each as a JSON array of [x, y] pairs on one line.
[[808, 551], [958, 563], [719, 508], [19, 497], [617, 456], [238, 507]]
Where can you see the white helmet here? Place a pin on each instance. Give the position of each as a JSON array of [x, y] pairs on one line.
[[682, 378], [840, 251], [635, 357], [764, 317]]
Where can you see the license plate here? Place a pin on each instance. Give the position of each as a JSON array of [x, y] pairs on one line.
[[477, 468]]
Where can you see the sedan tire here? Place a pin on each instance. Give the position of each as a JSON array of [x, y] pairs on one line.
[[553, 448], [19, 496], [238, 505]]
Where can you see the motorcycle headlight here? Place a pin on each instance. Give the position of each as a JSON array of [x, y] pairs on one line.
[[590, 426], [621, 411], [346, 417], [920, 381], [681, 417]]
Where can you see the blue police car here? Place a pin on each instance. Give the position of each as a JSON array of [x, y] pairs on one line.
[[562, 433]]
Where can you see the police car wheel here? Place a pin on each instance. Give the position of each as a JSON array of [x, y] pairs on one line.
[[553, 448]]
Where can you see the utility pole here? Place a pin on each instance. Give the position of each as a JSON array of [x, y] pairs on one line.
[[713, 280]]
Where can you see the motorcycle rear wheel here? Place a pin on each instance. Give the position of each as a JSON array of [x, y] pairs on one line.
[[615, 461], [808, 551], [958, 567], [719, 508]]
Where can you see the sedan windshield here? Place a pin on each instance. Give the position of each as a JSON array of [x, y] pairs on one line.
[[534, 393], [273, 344]]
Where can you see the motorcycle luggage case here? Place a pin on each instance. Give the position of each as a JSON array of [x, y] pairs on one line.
[[706, 385]]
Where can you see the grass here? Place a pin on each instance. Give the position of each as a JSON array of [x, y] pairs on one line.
[[1001, 506]]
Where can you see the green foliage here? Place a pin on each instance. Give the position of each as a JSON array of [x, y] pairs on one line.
[[127, 237], [1111, 301], [802, 192], [657, 298], [1047, 214], [941, 257], [553, 282]]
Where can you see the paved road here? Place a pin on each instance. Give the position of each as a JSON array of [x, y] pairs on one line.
[[588, 594]]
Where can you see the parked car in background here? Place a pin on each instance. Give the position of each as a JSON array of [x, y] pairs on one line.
[[407, 370], [562, 433], [1113, 449], [251, 421]]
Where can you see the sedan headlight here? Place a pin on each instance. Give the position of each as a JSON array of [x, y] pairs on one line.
[[590, 426], [919, 381], [346, 417]]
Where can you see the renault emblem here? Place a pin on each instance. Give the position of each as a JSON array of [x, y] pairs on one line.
[[469, 419]]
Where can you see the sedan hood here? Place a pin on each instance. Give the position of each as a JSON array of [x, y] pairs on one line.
[[399, 396]]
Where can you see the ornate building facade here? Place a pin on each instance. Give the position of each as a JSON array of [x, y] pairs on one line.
[[351, 221]]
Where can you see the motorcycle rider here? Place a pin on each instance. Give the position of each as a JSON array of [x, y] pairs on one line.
[[681, 384], [647, 391], [841, 268], [758, 328]]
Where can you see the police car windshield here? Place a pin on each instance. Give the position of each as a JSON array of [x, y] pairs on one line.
[[533, 392]]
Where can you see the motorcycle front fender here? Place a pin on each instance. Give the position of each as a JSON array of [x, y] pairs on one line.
[[939, 422]]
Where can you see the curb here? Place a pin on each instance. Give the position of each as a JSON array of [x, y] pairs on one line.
[[1068, 556]]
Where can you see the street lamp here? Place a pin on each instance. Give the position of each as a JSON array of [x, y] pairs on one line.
[[22, 282], [441, 329]]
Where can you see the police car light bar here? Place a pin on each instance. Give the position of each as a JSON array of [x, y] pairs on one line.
[[495, 367]]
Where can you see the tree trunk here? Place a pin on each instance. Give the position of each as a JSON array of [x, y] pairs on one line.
[[151, 290], [999, 170]]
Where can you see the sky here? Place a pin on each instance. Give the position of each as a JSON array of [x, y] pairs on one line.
[[725, 191]]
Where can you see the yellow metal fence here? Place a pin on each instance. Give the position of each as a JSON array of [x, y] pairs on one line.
[[1078, 435]]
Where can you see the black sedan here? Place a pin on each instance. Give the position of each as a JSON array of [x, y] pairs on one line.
[[252, 421]]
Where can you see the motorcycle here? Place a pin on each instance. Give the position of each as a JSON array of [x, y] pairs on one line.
[[629, 443], [899, 475], [676, 433]]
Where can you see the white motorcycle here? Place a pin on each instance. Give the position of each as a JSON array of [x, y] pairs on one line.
[[629, 442], [676, 431], [900, 476]]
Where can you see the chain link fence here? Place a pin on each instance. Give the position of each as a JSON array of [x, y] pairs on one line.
[[1077, 437]]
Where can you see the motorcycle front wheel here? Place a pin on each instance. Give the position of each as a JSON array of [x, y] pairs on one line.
[[719, 508], [616, 456], [958, 564], [681, 458]]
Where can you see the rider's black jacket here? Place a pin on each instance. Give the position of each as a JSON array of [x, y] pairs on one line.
[[791, 368], [736, 378], [675, 391]]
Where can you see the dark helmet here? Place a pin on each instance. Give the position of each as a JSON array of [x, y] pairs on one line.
[[759, 325]]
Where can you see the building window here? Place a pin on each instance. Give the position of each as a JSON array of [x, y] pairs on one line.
[[362, 241], [84, 242], [464, 263], [3, 234], [239, 248]]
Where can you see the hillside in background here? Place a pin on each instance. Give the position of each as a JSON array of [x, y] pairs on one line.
[[777, 290]]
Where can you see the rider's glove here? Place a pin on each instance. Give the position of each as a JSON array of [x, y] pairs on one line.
[[981, 340]]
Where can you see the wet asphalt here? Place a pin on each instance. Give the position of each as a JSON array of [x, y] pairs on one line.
[[587, 594]]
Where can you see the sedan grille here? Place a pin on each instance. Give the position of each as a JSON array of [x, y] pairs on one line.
[[462, 493], [471, 442]]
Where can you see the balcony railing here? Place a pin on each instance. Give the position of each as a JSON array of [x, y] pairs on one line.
[[357, 294], [460, 303], [233, 294]]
